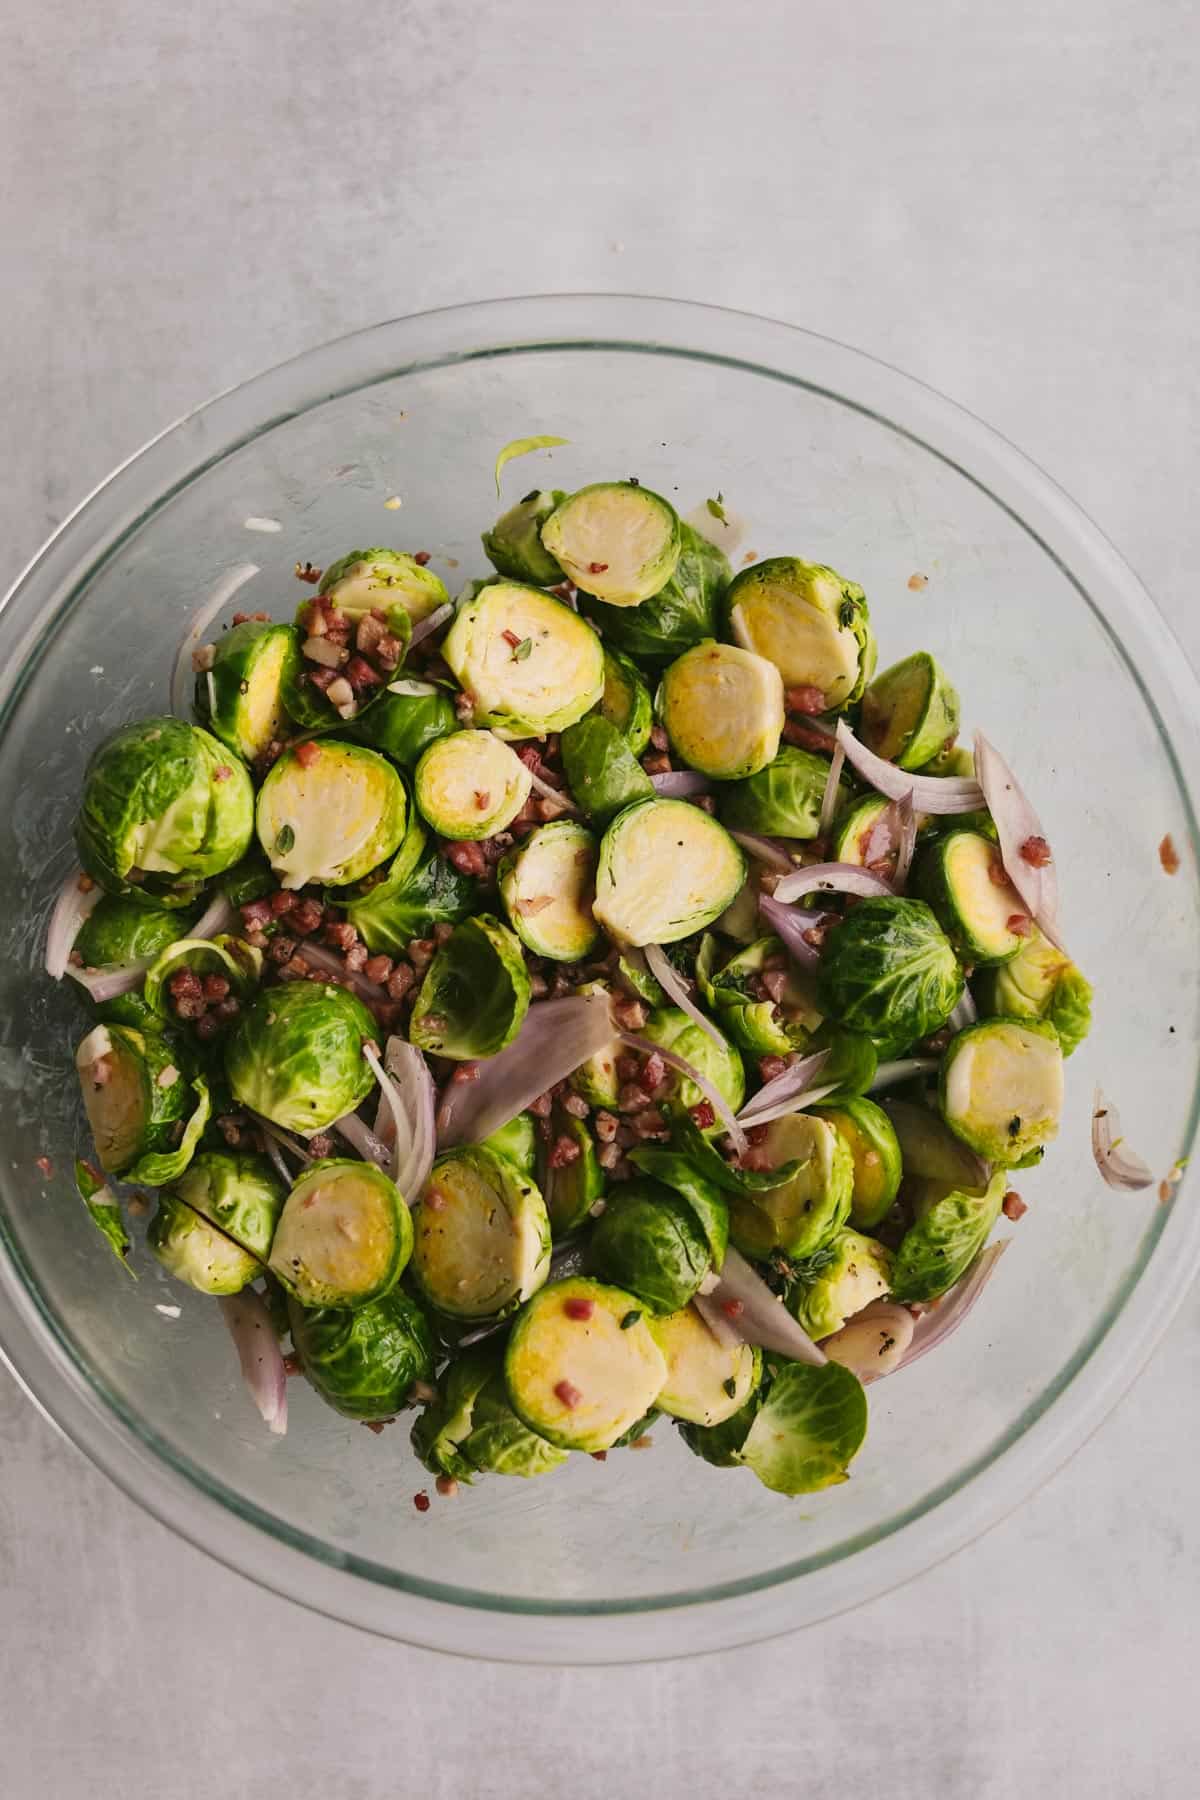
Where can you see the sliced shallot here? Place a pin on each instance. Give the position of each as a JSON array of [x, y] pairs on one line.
[[965, 1013], [358, 1133], [555, 1038], [672, 984], [74, 904], [809, 1096], [930, 793], [793, 1081], [317, 956], [874, 1342], [761, 1316], [110, 984], [793, 925], [218, 916], [1120, 1167], [905, 1068], [201, 619], [908, 842], [829, 799], [554, 795], [414, 1090], [680, 784], [1017, 827], [441, 615], [832, 878], [777, 853], [258, 1351]]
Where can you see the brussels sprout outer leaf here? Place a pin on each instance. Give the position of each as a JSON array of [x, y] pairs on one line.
[[649, 1241], [364, 1360], [945, 1240], [682, 613], [781, 800], [475, 993], [295, 1055], [708, 1204], [602, 771], [156, 1168], [120, 930], [808, 1430], [105, 1212], [406, 719], [889, 972]]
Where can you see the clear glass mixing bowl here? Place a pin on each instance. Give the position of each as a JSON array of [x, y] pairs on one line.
[[1059, 656]]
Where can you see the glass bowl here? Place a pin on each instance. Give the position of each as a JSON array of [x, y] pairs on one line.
[[389, 436]]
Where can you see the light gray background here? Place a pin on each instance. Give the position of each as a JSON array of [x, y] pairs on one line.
[[1001, 198]]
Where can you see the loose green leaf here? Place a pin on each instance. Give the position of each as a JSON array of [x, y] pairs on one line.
[[717, 509], [808, 1429], [156, 1168], [102, 1204], [523, 447], [522, 650]]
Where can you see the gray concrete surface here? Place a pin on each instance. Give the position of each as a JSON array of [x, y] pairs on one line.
[[1001, 199]]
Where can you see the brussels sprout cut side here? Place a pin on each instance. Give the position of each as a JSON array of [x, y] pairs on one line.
[[547, 885], [475, 993], [582, 1365], [344, 1236], [470, 785], [808, 1208], [296, 1055], [666, 869], [809, 621], [134, 1093], [855, 1271], [981, 912], [1002, 1088], [529, 664], [910, 712], [682, 613], [723, 710], [615, 540], [874, 1148], [364, 1360], [707, 1381], [331, 813], [1040, 982], [364, 580], [240, 696], [196, 1252], [482, 1236]]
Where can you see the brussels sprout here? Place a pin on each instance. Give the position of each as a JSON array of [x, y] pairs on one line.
[[720, 1062], [482, 1236], [1001, 1087], [682, 613], [240, 696], [136, 1099], [666, 869], [951, 1229], [851, 1061], [625, 702], [722, 1444], [597, 1079], [408, 717], [808, 1429], [344, 1237], [889, 971], [104, 1210], [649, 1241], [709, 1207], [910, 712], [809, 621], [952, 759], [470, 785], [475, 994], [529, 664], [874, 1148], [615, 540], [164, 806], [518, 1140], [419, 890], [602, 771], [1040, 982], [120, 930], [571, 1189], [239, 963], [782, 800], [852, 831], [365, 579], [195, 1251], [723, 710], [514, 545], [806, 1210], [295, 1055], [331, 814], [471, 1428], [741, 919], [581, 1365], [929, 1148], [547, 884], [963, 879], [731, 993], [237, 1192], [707, 1381], [363, 1360], [854, 1271]]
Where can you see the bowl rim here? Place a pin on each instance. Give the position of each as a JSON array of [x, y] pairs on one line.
[[467, 1622]]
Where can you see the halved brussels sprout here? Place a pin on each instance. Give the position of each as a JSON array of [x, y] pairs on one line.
[[408, 716], [707, 1381], [910, 712], [471, 1428], [782, 800], [239, 963], [470, 785], [570, 1189], [709, 1207], [238, 1192], [602, 772], [1040, 982], [196, 1252], [853, 1271], [514, 545], [759, 1024], [723, 710], [363, 1360], [1001, 1087], [951, 1229], [666, 869], [330, 813], [365, 579], [419, 890], [529, 664], [808, 1208], [597, 1079], [547, 885], [809, 621], [852, 830], [976, 905], [344, 1237], [120, 930], [581, 1365], [890, 972], [808, 1429], [135, 1096], [648, 1240], [874, 1149], [616, 540], [625, 702], [682, 613], [164, 806], [475, 994], [720, 1062], [929, 1148], [954, 759], [482, 1236], [240, 696], [296, 1055]]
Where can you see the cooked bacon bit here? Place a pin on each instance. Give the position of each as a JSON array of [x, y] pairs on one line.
[[464, 708], [467, 858], [1020, 924], [241, 618], [360, 674], [435, 1200], [654, 1073], [633, 1097], [216, 987], [204, 658], [997, 874], [733, 1309], [320, 1144], [402, 978], [757, 1158], [703, 1115], [540, 1108], [597, 568], [579, 1308], [420, 952], [292, 1364], [805, 699], [795, 731], [1168, 856], [917, 582], [648, 1124], [306, 918], [446, 1486], [282, 901], [45, 1165], [568, 1393], [483, 799], [510, 638], [598, 1455], [1036, 852], [324, 679], [658, 764], [422, 1502], [421, 558], [645, 1442], [340, 934], [371, 632], [605, 1124], [629, 1014], [256, 913], [769, 1067], [306, 572], [1012, 1206]]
